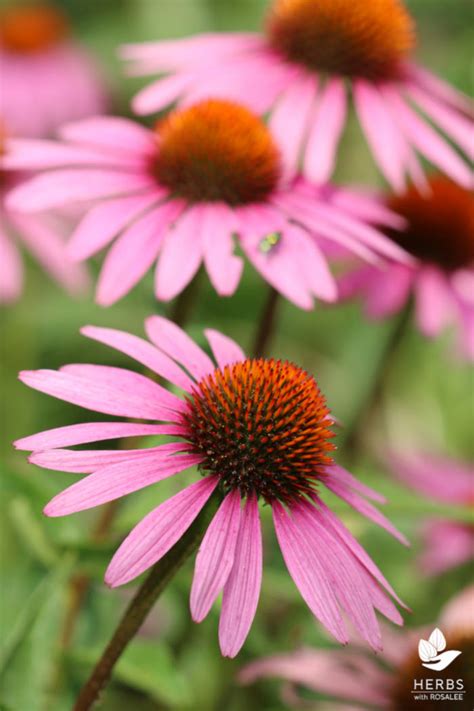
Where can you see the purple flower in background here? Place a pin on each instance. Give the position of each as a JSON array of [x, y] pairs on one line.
[[311, 55], [258, 430], [47, 78], [439, 233]]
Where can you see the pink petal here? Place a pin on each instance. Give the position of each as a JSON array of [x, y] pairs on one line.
[[225, 350], [91, 432], [160, 94], [143, 352], [459, 128], [11, 270], [181, 255], [313, 264], [448, 545], [56, 188], [173, 341], [326, 130], [111, 133], [134, 252], [307, 573], [383, 135], [367, 208], [104, 221], [242, 589], [433, 301], [388, 290], [31, 154], [218, 225], [335, 523], [362, 506], [444, 479], [158, 532], [342, 570], [347, 479], [117, 480], [440, 89], [215, 557], [427, 141], [85, 461], [289, 126], [125, 401]]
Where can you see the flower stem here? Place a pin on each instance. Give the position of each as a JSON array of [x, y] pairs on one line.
[[266, 325], [146, 596], [185, 302], [354, 434]]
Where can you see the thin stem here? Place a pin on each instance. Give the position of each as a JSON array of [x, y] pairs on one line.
[[133, 618], [266, 325], [185, 302], [354, 434]]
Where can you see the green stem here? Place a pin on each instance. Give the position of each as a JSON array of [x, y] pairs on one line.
[[266, 325], [146, 596], [354, 434]]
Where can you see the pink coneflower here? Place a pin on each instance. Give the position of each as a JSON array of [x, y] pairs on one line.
[[356, 680], [312, 52], [447, 543], [183, 191], [43, 236], [257, 429], [46, 78], [440, 235]]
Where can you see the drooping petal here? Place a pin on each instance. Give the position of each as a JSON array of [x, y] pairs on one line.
[[110, 133], [242, 589], [326, 130], [308, 574], [134, 252], [11, 269], [215, 557], [342, 571], [173, 341], [141, 351], [382, 133], [218, 225], [225, 350], [104, 221], [159, 94], [153, 537], [181, 255], [434, 302], [91, 432], [116, 480]]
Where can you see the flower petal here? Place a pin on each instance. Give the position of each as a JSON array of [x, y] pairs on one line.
[[225, 350], [173, 341], [153, 537], [326, 130]]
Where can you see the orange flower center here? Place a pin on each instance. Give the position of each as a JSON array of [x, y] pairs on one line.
[[217, 151], [31, 28], [263, 427], [355, 38], [440, 225], [462, 668]]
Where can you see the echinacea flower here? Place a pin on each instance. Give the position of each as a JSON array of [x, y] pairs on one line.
[[448, 543], [311, 54], [43, 236], [47, 78], [258, 430], [439, 233], [183, 191], [354, 679]]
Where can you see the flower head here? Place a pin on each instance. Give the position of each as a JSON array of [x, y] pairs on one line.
[[179, 195], [257, 430], [439, 233], [299, 69], [46, 78], [350, 677]]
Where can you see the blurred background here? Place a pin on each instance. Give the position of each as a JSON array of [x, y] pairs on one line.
[[426, 404]]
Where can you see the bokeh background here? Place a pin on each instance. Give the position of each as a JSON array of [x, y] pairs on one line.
[[425, 403]]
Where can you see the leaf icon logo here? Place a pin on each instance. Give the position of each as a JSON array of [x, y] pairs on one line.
[[438, 640], [426, 650]]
